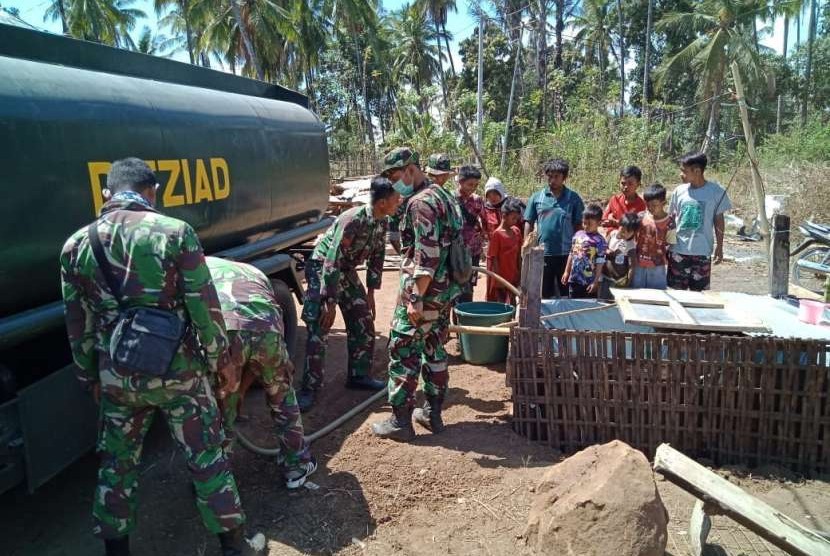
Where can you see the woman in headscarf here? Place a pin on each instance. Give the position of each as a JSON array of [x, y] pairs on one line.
[[494, 196]]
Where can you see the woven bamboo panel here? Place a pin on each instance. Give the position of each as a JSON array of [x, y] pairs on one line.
[[731, 399]]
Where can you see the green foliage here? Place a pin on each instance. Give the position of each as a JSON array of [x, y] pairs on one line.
[[810, 143]]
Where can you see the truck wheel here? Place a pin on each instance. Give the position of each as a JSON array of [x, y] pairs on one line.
[[285, 299]]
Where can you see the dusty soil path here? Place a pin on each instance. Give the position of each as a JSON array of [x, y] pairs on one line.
[[466, 491]]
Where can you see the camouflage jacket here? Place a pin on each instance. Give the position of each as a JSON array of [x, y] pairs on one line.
[[432, 219], [159, 262], [395, 219], [356, 236], [246, 296]]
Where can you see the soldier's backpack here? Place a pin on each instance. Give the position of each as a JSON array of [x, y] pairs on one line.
[[145, 339], [459, 259]]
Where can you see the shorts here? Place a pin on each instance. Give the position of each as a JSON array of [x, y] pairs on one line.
[[689, 272], [653, 277]]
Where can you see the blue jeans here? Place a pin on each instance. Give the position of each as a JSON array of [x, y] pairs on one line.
[[650, 277]]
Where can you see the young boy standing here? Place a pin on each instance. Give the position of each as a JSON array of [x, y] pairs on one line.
[[653, 241], [583, 268], [504, 252], [557, 213], [626, 201], [697, 207]]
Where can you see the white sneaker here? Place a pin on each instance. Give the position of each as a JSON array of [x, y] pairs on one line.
[[296, 477]]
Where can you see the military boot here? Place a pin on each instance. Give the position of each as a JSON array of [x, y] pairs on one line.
[[117, 547], [234, 543], [429, 416], [398, 426]]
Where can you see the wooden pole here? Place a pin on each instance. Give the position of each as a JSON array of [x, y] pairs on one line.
[[533, 267], [757, 182], [779, 257]]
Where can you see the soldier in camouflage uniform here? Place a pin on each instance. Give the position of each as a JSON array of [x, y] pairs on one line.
[[159, 263], [438, 168], [418, 329], [254, 323], [399, 166], [357, 236]]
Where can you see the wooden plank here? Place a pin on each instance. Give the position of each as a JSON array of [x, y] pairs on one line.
[[699, 526], [779, 256], [662, 297], [531, 298], [757, 516], [682, 314]]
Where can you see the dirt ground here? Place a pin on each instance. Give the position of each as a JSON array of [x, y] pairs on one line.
[[466, 491]]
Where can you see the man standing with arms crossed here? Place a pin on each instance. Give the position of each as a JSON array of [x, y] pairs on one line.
[[155, 262], [417, 335]]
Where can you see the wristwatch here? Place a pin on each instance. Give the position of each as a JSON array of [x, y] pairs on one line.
[[414, 297]]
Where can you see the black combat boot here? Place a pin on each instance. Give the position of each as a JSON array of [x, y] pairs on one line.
[[306, 398], [117, 547], [365, 383], [398, 426], [429, 416], [234, 543]]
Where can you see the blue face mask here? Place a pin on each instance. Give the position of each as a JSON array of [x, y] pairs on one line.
[[402, 188]]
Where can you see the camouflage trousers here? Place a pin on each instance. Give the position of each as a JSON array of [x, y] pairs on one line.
[[360, 326], [193, 419], [263, 356], [417, 354]]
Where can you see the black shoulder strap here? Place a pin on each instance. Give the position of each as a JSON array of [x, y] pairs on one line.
[[103, 262]]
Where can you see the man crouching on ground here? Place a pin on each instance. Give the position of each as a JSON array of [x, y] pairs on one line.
[[257, 346]]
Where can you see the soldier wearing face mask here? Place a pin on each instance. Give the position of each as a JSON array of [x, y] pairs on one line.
[[401, 167]]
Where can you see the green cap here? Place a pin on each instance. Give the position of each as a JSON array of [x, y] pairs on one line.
[[400, 157], [438, 164]]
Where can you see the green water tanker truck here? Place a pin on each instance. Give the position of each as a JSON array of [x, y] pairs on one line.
[[244, 162]]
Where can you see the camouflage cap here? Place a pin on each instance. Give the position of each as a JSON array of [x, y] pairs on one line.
[[400, 157], [438, 164]]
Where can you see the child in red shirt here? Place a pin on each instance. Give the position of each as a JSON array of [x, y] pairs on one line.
[[504, 252], [626, 201]]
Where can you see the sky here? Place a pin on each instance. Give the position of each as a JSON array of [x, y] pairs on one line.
[[460, 24]]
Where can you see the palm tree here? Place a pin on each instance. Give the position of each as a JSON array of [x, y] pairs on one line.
[[182, 10], [105, 21], [594, 34], [149, 43], [721, 26], [416, 56], [438, 11], [357, 19], [56, 10]]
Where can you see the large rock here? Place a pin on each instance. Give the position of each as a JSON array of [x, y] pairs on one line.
[[601, 501]]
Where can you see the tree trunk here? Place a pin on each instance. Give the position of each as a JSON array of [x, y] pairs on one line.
[[516, 63], [808, 69], [755, 34], [246, 39], [710, 141], [447, 43], [441, 62], [188, 32], [62, 11], [646, 61], [560, 28], [361, 69], [541, 60], [786, 36], [622, 58]]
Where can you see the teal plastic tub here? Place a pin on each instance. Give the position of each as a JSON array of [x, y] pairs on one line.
[[476, 348]]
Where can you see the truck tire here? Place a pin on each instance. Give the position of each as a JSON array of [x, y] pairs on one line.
[[289, 313]]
